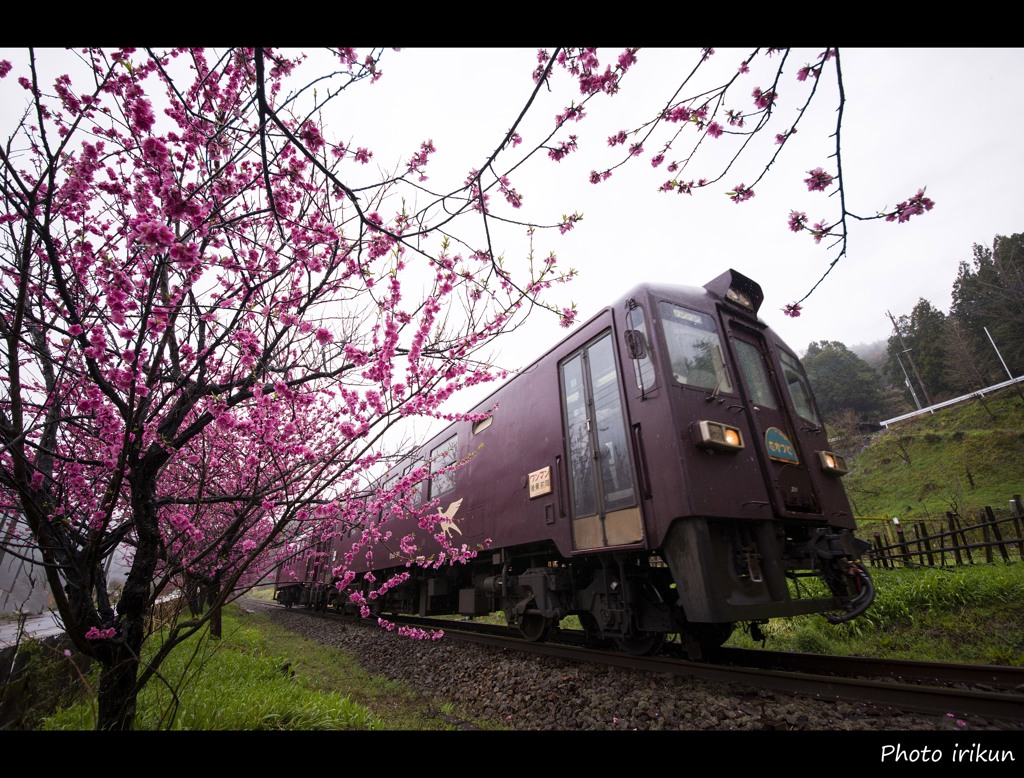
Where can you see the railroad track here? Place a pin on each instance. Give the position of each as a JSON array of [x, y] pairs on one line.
[[993, 692]]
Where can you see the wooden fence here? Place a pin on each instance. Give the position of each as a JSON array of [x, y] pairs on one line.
[[961, 541]]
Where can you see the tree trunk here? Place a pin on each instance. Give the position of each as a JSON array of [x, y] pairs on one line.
[[215, 622], [117, 692], [120, 661]]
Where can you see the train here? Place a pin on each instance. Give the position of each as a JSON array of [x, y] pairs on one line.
[[661, 473]]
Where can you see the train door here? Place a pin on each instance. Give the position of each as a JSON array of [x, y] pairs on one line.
[[784, 462], [602, 489]]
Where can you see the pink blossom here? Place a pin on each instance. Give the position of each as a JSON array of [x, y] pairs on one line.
[[915, 206], [5, 67], [574, 112], [819, 180], [763, 99], [564, 148], [310, 135], [568, 222], [363, 155], [820, 230], [511, 195], [627, 59], [735, 118], [100, 634], [715, 130], [618, 139], [657, 160], [678, 114], [792, 309], [740, 193], [796, 220]]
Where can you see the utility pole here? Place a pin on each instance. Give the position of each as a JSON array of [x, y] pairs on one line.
[[910, 386], [910, 359], [1015, 386]]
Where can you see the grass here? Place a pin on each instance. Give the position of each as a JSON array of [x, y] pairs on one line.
[[262, 677], [970, 615]]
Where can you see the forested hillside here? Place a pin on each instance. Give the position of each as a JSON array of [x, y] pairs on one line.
[[960, 459], [931, 356]]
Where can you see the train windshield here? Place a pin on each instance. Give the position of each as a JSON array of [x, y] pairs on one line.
[[694, 348], [798, 386]]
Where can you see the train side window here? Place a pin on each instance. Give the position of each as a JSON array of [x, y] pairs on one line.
[[694, 348], [581, 453], [798, 386], [416, 490], [639, 346], [389, 484], [440, 457]]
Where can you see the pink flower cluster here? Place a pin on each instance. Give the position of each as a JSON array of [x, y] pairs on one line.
[[740, 194], [915, 206], [568, 222], [819, 180], [563, 149], [764, 100]]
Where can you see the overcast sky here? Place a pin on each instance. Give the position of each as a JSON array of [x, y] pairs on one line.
[[945, 119]]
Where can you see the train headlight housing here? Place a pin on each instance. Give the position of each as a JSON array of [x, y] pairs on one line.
[[720, 436], [833, 464], [737, 296]]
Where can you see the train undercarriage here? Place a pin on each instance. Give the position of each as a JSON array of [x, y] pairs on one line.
[[709, 576]]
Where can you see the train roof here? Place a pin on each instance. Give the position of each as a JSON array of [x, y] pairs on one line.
[[727, 286]]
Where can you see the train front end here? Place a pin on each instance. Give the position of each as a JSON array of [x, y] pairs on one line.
[[761, 526]]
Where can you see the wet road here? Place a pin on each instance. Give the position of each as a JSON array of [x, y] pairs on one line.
[[41, 626]]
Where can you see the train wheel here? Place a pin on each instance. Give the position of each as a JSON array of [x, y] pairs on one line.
[[642, 645], [534, 627]]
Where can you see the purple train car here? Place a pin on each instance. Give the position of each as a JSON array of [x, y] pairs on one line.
[[306, 578], [663, 470]]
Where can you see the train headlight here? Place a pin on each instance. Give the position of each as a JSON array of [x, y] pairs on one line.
[[832, 463], [737, 296], [720, 436]]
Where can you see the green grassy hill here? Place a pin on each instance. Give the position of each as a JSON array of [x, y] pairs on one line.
[[958, 459]]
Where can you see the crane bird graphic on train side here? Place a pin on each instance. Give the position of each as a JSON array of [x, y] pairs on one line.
[[446, 524]]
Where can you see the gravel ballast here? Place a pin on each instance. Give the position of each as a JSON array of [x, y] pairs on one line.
[[526, 692]]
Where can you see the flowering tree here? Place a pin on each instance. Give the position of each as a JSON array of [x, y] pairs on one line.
[[211, 314]]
